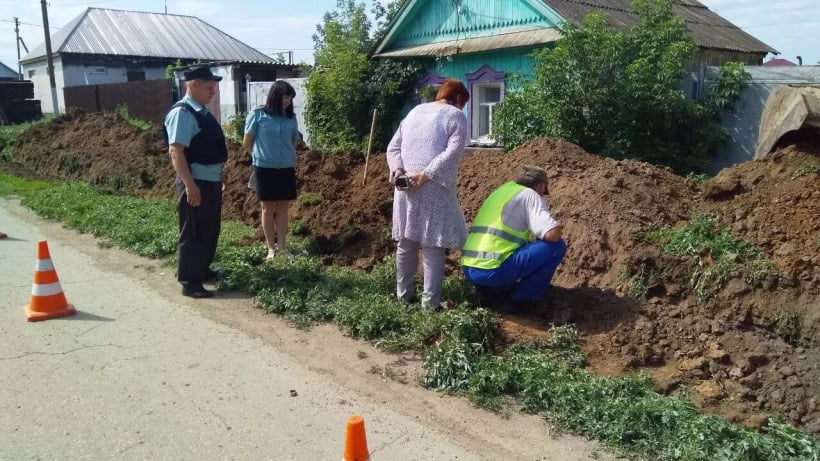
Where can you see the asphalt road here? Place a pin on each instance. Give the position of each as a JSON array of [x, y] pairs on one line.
[[141, 372]]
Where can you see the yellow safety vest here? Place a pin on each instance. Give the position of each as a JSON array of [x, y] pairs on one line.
[[490, 241]]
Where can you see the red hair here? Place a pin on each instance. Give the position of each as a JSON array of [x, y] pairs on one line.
[[454, 92]]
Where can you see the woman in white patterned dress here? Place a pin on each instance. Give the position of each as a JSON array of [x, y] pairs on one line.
[[427, 148]]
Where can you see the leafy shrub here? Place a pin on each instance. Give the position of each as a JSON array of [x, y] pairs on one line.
[[715, 251], [619, 94], [235, 129]]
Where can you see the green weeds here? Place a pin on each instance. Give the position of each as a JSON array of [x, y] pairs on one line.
[[459, 348], [698, 178], [122, 111], [813, 167], [12, 185], [639, 283], [788, 325], [144, 227], [8, 135], [310, 198], [715, 251]]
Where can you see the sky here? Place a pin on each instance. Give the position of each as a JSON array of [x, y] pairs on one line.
[[790, 26]]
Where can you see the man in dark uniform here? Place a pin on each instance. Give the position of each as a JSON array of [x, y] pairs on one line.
[[197, 147]]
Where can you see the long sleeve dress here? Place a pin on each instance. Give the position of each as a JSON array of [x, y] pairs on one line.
[[430, 139]]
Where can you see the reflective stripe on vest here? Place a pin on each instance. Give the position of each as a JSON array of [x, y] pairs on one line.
[[490, 241]]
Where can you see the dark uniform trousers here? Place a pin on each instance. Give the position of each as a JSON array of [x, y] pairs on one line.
[[198, 230]]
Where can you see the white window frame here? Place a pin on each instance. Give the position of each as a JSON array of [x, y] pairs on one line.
[[478, 104]]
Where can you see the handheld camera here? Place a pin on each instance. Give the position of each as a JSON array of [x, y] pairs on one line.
[[402, 182]]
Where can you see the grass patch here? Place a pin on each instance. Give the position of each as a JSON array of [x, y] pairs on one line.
[[144, 227], [8, 135], [788, 325], [310, 198], [698, 179], [122, 111], [716, 251], [813, 167], [639, 283], [458, 345], [11, 185]]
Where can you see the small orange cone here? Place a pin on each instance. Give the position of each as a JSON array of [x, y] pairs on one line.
[[356, 440], [47, 298]]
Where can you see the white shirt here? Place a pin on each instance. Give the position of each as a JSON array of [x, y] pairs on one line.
[[528, 210]]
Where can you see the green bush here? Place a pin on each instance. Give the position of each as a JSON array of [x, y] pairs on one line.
[[619, 94]]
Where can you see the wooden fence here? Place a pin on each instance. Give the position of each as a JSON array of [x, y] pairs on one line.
[[148, 100]]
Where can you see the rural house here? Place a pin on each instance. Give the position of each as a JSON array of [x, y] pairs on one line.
[[483, 42], [104, 46]]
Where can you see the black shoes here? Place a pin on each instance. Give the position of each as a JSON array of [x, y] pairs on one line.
[[519, 307], [211, 275], [196, 291]]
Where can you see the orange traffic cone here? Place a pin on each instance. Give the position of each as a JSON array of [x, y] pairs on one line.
[[356, 440], [47, 298]]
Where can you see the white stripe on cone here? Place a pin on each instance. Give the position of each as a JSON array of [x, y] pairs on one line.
[[46, 289], [44, 265]]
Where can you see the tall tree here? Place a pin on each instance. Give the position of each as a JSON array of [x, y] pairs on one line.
[[347, 85]]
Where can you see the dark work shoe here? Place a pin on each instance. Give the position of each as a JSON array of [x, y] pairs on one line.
[[488, 297], [196, 291], [211, 274], [519, 307]]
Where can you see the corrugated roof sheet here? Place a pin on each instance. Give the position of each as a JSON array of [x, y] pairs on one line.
[[706, 27], [156, 35], [472, 45]]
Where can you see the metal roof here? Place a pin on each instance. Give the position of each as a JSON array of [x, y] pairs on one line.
[[101, 31], [7, 72], [707, 28], [472, 45]]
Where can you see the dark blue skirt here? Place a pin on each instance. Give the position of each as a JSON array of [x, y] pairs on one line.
[[274, 184]]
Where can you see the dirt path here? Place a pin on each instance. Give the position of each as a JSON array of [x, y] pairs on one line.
[[142, 372]]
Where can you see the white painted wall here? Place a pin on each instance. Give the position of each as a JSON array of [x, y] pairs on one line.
[[80, 74], [227, 93], [77, 75], [258, 94], [42, 85]]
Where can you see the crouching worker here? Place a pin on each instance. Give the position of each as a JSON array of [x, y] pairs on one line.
[[515, 244]]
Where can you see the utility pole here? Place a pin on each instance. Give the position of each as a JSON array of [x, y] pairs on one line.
[[54, 103], [17, 33]]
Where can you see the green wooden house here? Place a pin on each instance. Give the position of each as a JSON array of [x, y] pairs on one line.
[[484, 42]]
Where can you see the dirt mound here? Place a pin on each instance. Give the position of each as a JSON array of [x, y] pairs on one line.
[[729, 351], [103, 149]]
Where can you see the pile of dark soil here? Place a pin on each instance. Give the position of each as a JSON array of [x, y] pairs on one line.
[[728, 351]]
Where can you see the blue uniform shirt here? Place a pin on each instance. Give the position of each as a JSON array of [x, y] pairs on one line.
[[273, 139], [182, 127]]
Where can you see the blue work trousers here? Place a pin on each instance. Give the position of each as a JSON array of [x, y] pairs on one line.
[[526, 273]]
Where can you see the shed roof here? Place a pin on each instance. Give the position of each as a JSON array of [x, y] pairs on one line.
[[707, 28], [102, 31], [778, 62], [7, 72]]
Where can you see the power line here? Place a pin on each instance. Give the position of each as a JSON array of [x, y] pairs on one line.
[[27, 24]]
